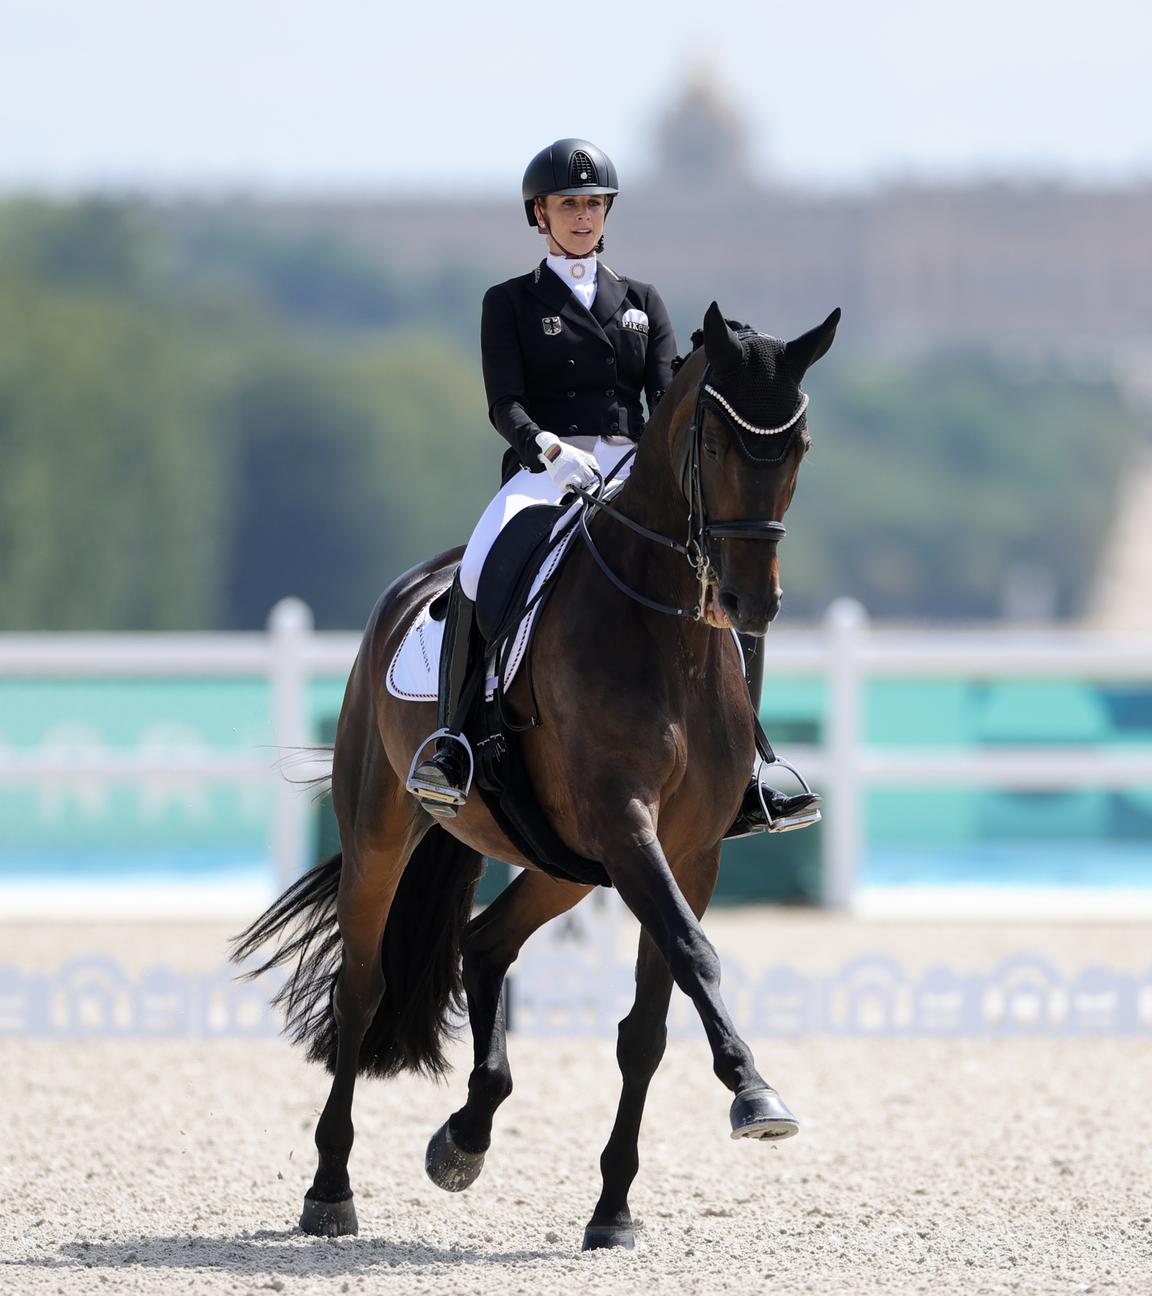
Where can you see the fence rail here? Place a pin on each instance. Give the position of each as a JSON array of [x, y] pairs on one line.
[[846, 653]]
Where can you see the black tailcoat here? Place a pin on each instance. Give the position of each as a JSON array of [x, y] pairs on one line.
[[553, 365]]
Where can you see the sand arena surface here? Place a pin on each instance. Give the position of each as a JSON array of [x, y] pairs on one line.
[[935, 1166]]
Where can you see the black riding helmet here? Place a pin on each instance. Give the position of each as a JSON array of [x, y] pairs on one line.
[[570, 166]]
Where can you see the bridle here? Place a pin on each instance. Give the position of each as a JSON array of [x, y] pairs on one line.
[[697, 550]]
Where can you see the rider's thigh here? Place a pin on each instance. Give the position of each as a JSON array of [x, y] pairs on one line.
[[518, 492]]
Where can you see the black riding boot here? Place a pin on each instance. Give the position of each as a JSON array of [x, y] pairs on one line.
[[441, 783], [763, 808]]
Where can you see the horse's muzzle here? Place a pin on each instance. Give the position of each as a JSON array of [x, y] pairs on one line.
[[751, 613]]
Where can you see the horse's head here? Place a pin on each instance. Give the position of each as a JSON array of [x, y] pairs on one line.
[[744, 446]]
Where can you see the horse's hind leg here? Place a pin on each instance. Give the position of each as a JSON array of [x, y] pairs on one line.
[[491, 943], [371, 872]]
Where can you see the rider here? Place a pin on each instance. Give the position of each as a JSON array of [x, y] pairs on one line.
[[571, 346]]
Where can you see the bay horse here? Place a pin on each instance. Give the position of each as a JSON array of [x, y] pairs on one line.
[[640, 759]]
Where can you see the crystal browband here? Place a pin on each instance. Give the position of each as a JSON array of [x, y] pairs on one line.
[[750, 427]]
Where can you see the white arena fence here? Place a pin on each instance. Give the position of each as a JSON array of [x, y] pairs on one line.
[[845, 652]]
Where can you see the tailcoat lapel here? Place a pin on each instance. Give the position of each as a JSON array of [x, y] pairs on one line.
[[550, 288], [610, 291]]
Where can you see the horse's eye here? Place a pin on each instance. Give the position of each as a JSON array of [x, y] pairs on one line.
[[711, 446]]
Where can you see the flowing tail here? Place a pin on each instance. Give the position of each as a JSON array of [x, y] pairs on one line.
[[420, 955]]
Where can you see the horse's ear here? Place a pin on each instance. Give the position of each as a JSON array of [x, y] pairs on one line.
[[721, 345], [805, 350]]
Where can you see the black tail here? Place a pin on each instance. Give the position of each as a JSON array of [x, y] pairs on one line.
[[420, 955]]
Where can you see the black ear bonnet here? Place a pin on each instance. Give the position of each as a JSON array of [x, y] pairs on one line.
[[757, 397]]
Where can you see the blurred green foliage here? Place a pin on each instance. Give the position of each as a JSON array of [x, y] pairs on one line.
[[199, 416], [111, 499], [184, 441], [931, 482]]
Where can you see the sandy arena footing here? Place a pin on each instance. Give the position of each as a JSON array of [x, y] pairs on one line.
[[967, 1165]]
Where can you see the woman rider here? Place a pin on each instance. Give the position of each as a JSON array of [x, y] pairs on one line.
[[567, 351]]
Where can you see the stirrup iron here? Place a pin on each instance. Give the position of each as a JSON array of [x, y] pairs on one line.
[[804, 818], [430, 792]]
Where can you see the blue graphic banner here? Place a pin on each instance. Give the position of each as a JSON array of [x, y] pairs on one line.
[[579, 995]]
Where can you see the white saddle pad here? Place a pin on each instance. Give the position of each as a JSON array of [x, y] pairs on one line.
[[414, 674]]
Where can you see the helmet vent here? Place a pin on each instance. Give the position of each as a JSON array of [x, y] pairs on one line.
[[580, 170]]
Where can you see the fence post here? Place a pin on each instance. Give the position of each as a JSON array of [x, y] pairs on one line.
[[290, 624], [843, 833]]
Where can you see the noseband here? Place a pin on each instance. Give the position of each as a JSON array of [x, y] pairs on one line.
[[701, 532]]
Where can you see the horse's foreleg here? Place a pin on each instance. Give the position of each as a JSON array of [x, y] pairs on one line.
[[367, 886], [491, 943], [639, 1048], [640, 872]]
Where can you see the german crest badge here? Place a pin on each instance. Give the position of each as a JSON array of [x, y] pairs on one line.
[[551, 325]]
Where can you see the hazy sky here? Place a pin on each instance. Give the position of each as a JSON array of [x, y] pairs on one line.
[[442, 94]]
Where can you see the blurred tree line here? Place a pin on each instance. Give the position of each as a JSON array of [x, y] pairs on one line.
[[191, 430], [198, 420]]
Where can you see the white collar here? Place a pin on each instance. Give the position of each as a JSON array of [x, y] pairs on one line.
[[574, 271]]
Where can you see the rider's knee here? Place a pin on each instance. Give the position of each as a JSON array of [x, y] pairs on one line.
[[470, 577]]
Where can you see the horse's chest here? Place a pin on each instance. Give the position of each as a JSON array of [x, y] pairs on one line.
[[714, 741]]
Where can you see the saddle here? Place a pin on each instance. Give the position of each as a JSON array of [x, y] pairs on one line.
[[510, 569], [505, 615]]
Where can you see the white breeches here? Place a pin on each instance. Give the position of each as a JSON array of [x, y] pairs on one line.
[[521, 491]]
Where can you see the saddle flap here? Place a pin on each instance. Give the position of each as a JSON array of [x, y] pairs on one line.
[[511, 566]]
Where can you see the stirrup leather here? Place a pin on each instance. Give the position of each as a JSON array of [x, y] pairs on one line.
[[805, 817], [435, 792]]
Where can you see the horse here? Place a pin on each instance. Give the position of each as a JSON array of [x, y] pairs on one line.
[[642, 751]]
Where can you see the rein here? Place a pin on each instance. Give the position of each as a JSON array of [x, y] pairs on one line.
[[701, 532]]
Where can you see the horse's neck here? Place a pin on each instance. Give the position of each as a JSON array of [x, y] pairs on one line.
[[651, 497]]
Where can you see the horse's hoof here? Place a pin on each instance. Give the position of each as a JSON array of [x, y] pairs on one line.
[[762, 1114], [599, 1236], [450, 1167], [329, 1219]]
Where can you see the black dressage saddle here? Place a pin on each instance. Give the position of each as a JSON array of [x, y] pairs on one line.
[[517, 554], [520, 550]]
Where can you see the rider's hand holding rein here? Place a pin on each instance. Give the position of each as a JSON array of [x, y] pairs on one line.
[[567, 465]]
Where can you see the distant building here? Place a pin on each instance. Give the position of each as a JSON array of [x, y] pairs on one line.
[[700, 140], [1032, 268]]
